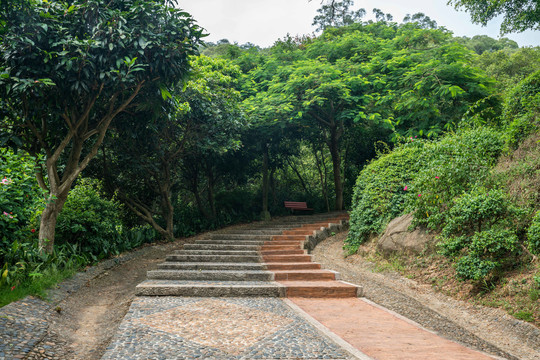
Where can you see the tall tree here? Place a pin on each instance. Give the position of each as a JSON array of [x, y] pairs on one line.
[[519, 15], [145, 160], [326, 95], [337, 14], [70, 67]]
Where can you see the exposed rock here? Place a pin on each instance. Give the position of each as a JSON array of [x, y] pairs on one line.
[[397, 237]]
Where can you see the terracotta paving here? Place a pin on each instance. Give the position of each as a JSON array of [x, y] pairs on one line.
[[381, 334]]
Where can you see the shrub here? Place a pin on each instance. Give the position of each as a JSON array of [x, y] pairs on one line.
[[451, 167], [380, 192], [90, 220], [479, 233], [522, 108], [21, 199], [533, 235], [21, 202]]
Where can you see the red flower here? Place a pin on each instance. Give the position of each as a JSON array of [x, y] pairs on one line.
[[33, 230], [12, 288]]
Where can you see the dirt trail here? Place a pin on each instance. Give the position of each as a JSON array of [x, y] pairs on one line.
[[88, 319]]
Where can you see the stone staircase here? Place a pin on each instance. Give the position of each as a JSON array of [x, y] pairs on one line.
[[264, 259]]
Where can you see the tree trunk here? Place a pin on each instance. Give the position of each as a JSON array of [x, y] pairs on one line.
[[302, 182], [265, 214], [273, 186], [47, 228], [167, 212], [336, 164], [322, 176], [211, 183]]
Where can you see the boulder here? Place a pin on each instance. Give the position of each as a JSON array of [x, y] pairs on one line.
[[397, 237]]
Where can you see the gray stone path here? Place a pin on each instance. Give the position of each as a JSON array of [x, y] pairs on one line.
[[218, 328]]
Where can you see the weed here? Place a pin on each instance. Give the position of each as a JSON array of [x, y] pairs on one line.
[[524, 315]]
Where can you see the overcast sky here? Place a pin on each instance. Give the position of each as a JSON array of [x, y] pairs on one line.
[[262, 22]]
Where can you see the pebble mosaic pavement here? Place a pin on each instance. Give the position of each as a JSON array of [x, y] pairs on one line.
[[218, 328]]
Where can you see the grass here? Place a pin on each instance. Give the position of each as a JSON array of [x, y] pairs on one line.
[[37, 286]]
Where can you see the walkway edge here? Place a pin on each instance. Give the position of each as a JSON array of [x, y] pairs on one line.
[[357, 354]]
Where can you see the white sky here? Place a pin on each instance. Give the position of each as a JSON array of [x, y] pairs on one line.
[[262, 22]]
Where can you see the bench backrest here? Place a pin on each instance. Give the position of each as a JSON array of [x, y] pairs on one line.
[[295, 204]]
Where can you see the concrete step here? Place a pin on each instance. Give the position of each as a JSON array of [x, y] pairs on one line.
[[275, 231], [292, 266], [214, 258], [321, 289], [288, 237], [244, 247], [284, 243], [322, 224], [216, 252], [305, 232], [210, 288], [305, 275], [283, 252], [210, 266], [231, 241], [282, 247], [286, 258], [212, 275], [239, 237]]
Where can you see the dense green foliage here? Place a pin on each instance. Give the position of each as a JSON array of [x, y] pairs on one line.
[[455, 190], [479, 233], [522, 108], [381, 191], [21, 199], [90, 221], [422, 177], [450, 167], [533, 235], [69, 68], [518, 15]]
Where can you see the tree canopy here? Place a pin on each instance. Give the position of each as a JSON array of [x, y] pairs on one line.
[[518, 15], [69, 68]]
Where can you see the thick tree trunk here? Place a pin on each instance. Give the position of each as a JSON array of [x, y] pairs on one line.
[[167, 213], [47, 228], [336, 164], [265, 214]]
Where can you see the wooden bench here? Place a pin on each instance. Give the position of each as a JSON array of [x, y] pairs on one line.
[[297, 205]]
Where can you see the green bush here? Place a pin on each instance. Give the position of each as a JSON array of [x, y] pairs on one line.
[[21, 199], [533, 235], [480, 233], [451, 167], [422, 178], [381, 191], [91, 221], [522, 108]]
